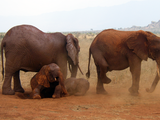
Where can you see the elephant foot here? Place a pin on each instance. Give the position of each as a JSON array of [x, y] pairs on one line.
[[133, 92], [8, 92], [19, 90], [101, 91], [55, 96], [106, 80], [37, 96]]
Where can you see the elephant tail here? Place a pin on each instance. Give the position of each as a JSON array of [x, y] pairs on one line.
[[88, 73], [2, 46]]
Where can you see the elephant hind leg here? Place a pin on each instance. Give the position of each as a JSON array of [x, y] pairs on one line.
[[6, 88], [101, 65], [102, 69], [17, 83]]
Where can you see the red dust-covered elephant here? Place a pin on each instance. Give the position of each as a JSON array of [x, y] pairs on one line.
[[116, 50], [28, 49], [48, 82]]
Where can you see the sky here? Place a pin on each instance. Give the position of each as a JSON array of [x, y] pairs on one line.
[[77, 15], [37, 7]]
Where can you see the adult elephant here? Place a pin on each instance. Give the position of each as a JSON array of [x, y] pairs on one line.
[[116, 50], [28, 49]]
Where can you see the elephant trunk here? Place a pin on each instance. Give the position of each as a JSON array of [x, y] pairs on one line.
[[74, 69], [61, 82], [155, 82]]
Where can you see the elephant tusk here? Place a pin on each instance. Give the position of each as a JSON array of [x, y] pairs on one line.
[[80, 69]]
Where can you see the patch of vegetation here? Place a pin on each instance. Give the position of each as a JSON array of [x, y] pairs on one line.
[[1, 36]]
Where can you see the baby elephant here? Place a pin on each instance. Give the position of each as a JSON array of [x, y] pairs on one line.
[[48, 82], [76, 86]]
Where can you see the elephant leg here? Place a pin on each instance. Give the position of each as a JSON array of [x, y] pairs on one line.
[[9, 71], [135, 68], [6, 88], [100, 88], [17, 83], [63, 66], [36, 92], [102, 74], [57, 92], [102, 66]]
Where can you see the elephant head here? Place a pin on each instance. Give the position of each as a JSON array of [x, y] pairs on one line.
[[73, 50], [50, 73], [144, 45]]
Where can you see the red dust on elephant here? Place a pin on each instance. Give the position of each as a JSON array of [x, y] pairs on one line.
[[117, 50], [49, 81]]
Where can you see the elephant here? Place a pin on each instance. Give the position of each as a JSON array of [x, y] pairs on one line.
[[48, 82], [28, 49], [117, 50], [76, 86], [155, 82]]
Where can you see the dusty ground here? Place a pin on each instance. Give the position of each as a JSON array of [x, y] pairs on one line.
[[117, 105]]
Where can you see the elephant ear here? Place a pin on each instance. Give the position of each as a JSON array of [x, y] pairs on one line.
[[42, 76], [138, 43], [71, 48]]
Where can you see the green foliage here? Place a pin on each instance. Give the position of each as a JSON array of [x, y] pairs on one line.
[[1, 36]]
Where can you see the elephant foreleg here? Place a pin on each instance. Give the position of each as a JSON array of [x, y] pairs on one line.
[[57, 92], [135, 68], [17, 83], [36, 92], [63, 66]]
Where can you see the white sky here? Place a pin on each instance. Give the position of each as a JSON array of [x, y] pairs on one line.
[[36, 7]]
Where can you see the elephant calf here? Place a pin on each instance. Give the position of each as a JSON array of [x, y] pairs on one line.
[[76, 86], [48, 82]]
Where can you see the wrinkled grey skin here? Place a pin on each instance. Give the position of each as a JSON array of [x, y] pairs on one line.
[[28, 49], [76, 86]]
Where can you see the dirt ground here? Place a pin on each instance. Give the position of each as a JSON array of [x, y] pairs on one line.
[[118, 104]]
